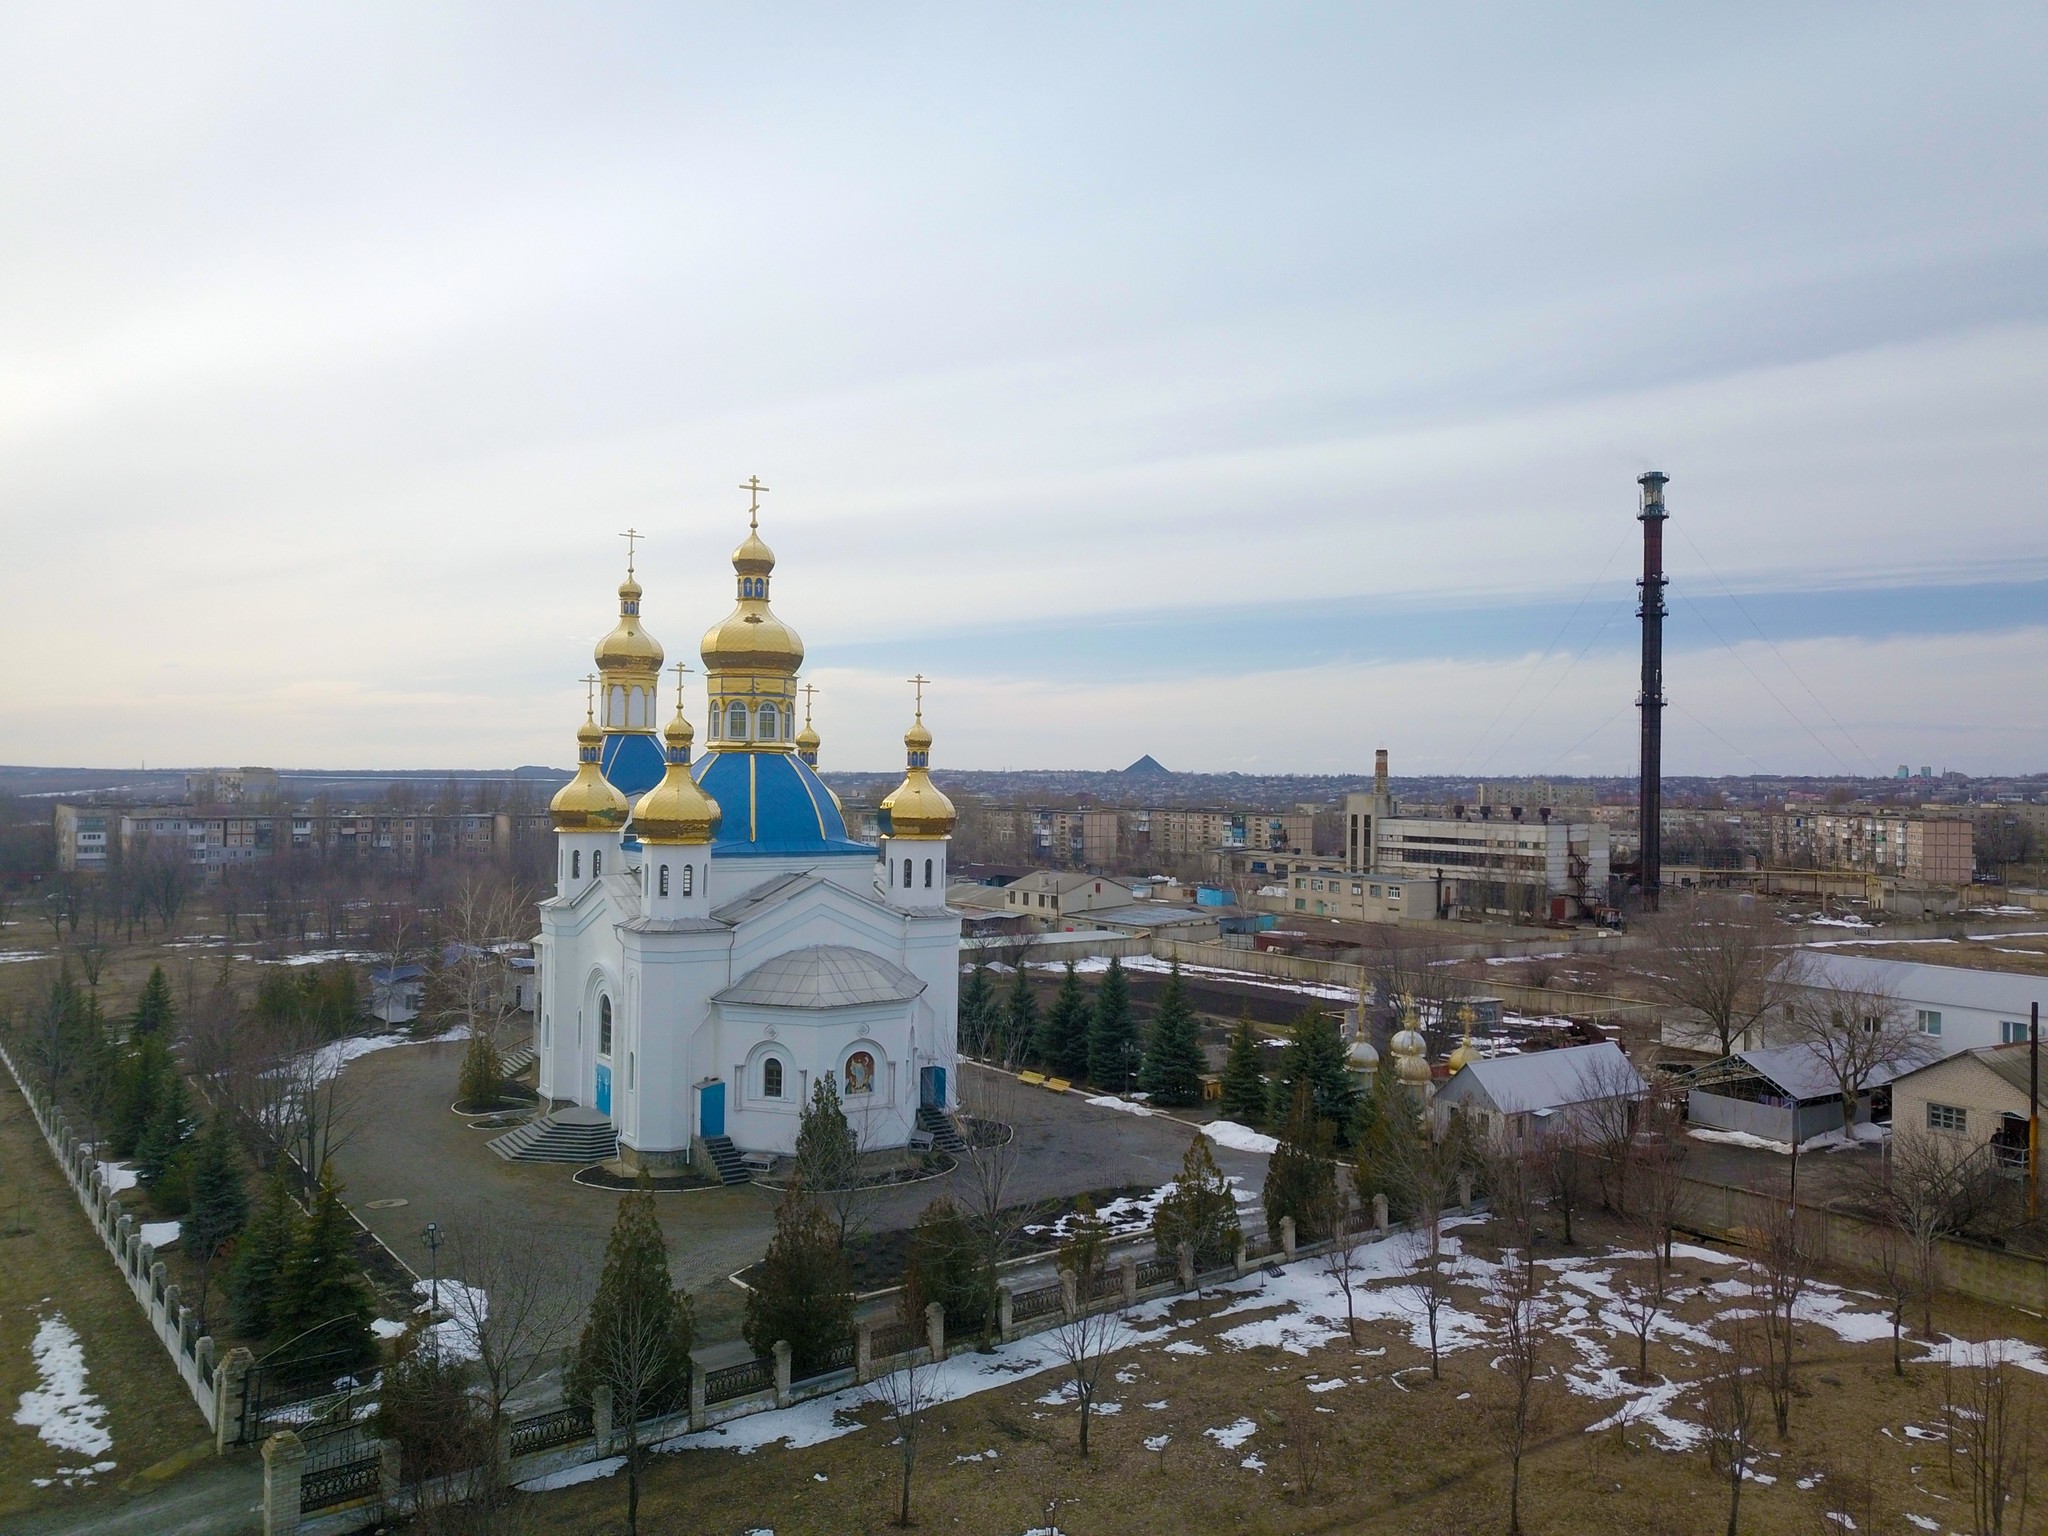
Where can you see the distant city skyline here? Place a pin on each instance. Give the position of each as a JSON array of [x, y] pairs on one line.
[[1249, 391]]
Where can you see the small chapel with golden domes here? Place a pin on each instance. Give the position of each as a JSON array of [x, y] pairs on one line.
[[717, 942]]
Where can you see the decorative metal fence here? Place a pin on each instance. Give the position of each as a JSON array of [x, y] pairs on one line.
[[893, 1339], [1106, 1283], [1157, 1271], [323, 1487], [730, 1381], [1026, 1305], [544, 1431], [838, 1358], [298, 1393]]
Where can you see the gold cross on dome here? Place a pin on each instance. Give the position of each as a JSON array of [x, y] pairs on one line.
[[679, 669], [808, 691], [920, 680], [590, 696], [632, 536], [753, 487]]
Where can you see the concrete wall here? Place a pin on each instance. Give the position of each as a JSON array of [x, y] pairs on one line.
[[1773, 1121]]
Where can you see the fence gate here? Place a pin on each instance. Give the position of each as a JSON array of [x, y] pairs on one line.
[[302, 1396]]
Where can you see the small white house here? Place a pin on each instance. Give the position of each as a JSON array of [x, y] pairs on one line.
[[1517, 1098]]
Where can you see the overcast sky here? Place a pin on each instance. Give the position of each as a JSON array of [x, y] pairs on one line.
[[1251, 386]]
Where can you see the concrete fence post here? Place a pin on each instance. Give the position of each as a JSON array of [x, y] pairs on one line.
[[123, 1228], [390, 1472], [782, 1373], [1185, 1253], [1287, 1237], [1465, 1192], [284, 1459], [1070, 1306], [230, 1392], [1243, 1260], [864, 1351], [1006, 1311], [601, 1418], [700, 1408], [1379, 1214], [935, 1329], [1128, 1273]]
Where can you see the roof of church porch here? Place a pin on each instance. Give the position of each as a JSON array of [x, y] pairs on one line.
[[823, 976]]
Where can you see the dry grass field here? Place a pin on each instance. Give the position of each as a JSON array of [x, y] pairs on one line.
[[1248, 1411], [56, 1278]]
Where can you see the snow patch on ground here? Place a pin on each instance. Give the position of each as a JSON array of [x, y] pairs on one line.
[[1961, 1352], [1239, 1138], [117, 1177], [1111, 1101], [160, 1234], [569, 1477], [1739, 1139], [326, 1063], [61, 1408], [1231, 1436], [464, 1309]]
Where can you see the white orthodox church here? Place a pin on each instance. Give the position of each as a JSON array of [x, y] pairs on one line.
[[717, 943]]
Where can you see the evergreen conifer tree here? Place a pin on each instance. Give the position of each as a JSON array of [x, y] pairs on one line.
[[828, 1151], [804, 1293], [1244, 1084], [636, 1292], [978, 1011], [1174, 1062], [165, 1136], [322, 1302], [1388, 1136], [1316, 1057], [154, 1010], [1063, 1037], [944, 1265], [1201, 1210], [139, 1081], [1113, 1052], [1301, 1178], [1020, 1018], [266, 1243], [218, 1199], [483, 1072]]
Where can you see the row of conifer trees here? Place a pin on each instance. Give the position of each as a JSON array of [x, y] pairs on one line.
[[1097, 1041]]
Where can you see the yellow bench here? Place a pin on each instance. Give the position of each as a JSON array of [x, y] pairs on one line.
[[1058, 1084], [1033, 1079]]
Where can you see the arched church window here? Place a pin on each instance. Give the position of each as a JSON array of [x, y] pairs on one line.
[[689, 870], [860, 1072], [770, 727], [604, 1026], [927, 874], [576, 864], [596, 862], [771, 1078], [736, 721], [789, 725], [906, 874], [664, 879]]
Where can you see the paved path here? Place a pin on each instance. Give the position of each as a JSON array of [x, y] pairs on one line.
[[223, 1497]]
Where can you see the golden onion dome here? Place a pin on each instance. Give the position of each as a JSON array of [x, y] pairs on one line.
[[588, 802], [917, 807], [753, 557], [629, 648], [807, 743], [1363, 1057], [676, 810], [1410, 1050], [751, 638], [1463, 1055]]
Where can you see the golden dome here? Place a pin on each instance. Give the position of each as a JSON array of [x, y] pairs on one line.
[[1466, 1052], [1410, 1050], [676, 810], [751, 638], [588, 802], [916, 807], [629, 648]]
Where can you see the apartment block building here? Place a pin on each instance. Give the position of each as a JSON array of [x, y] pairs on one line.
[[82, 836], [218, 838], [1939, 850]]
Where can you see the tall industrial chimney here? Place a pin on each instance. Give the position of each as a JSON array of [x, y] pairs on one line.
[[1650, 786]]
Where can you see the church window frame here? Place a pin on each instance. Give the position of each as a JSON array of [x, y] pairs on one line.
[[575, 863], [774, 1078], [859, 1072], [906, 875], [928, 874], [689, 879], [596, 862], [736, 721], [769, 727], [604, 1025], [664, 879]]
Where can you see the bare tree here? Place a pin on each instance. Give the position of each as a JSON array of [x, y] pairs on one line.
[[1346, 1237], [472, 988], [1998, 1434], [1639, 1302], [1778, 1278], [990, 1101], [1566, 1169], [1657, 1157], [634, 1359], [1088, 1335], [1721, 961], [1729, 1407], [1858, 1035], [1901, 1275], [1606, 1123], [166, 874], [1938, 1187], [513, 1295], [906, 1393], [1516, 1294]]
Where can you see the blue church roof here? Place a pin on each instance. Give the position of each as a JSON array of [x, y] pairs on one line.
[[632, 761], [771, 803]]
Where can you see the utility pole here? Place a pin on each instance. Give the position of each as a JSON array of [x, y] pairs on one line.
[[2034, 1115], [1650, 697]]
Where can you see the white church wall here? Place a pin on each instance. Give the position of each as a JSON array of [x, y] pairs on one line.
[[809, 1044]]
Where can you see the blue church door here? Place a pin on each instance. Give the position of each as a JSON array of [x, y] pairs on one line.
[[932, 1088], [604, 1090], [711, 1110]]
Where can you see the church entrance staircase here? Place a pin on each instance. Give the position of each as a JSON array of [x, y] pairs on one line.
[[945, 1134], [725, 1157], [574, 1135]]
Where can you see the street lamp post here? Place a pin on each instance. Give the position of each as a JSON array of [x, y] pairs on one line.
[[432, 1238]]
